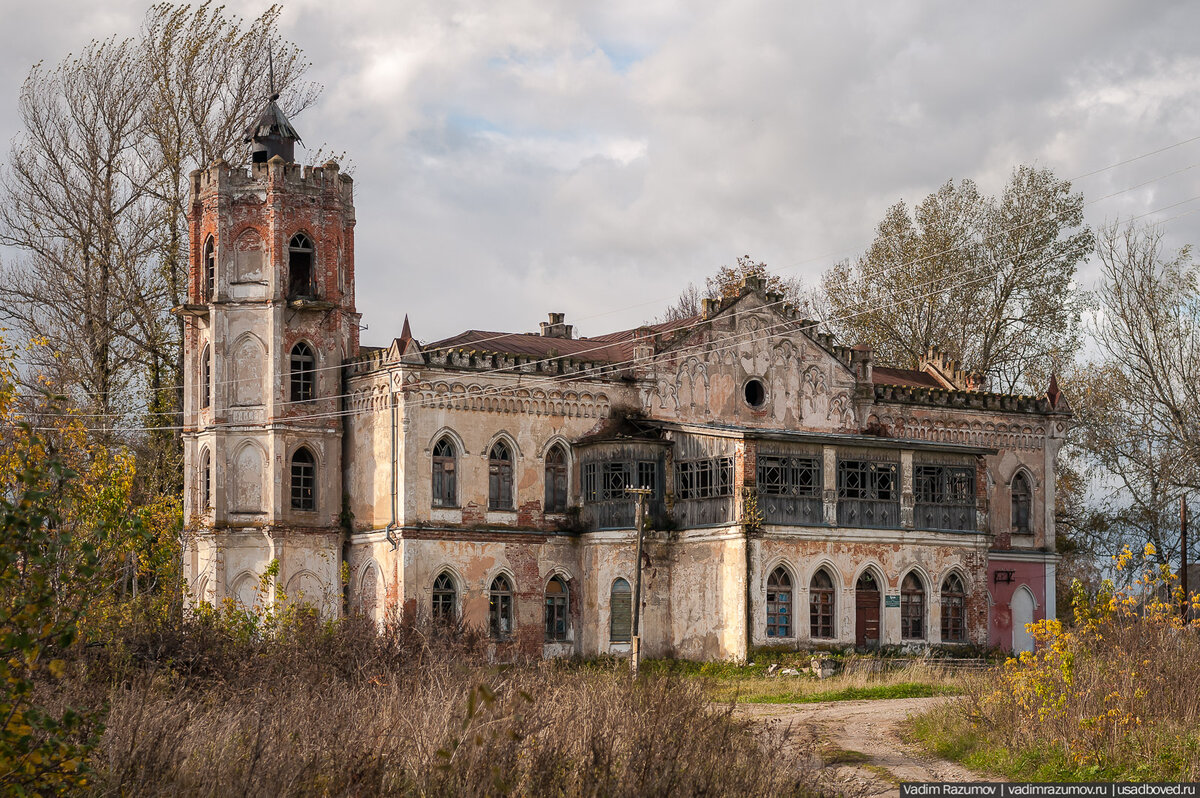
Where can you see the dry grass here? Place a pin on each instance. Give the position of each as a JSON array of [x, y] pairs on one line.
[[339, 710]]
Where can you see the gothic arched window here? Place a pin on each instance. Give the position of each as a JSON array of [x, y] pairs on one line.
[[206, 378], [821, 605], [445, 462], [303, 366], [205, 480], [557, 606], [556, 479], [500, 477], [954, 628], [301, 258], [445, 598], [210, 270], [620, 623], [779, 603], [304, 480], [912, 608], [500, 608], [1022, 504]]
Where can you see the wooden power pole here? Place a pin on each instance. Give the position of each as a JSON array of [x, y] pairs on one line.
[[1185, 610], [635, 658]]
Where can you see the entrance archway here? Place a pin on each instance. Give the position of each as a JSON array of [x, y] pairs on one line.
[[866, 611]]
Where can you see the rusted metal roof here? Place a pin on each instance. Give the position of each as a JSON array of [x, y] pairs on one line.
[[882, 375]]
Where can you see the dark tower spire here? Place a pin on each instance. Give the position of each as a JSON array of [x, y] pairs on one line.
[[272, 134]]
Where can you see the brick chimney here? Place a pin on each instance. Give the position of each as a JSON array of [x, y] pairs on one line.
[[556, 328]]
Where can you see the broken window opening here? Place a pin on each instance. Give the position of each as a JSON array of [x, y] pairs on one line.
[[301, 259], [556, 479], [500, 608], [209, 288], [1022, 505], [557, 621], [206, 378]]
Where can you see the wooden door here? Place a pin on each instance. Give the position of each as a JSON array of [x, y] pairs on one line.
[[866, 618]]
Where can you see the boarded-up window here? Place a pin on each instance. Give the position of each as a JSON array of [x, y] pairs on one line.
[[247, 480], [500, 477], [248, 257], [620, 625], [249, 360]]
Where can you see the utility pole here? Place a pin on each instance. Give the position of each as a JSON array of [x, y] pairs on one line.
[[1183, 559], [636, 653]]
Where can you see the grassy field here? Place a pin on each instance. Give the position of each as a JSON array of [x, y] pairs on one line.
[[751, 684]]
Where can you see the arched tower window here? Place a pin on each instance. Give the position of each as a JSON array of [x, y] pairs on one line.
[[821, 605], [912, 608], [205, 481], [445, 598], [445, 462], [206, 378], [620, 624], [304, 480], [303, 366], [500, 608], [210, 269], [301, 258], [556, 479], [954, 628], [557, 620], [500, 477], [1022, 505], [779, 603]]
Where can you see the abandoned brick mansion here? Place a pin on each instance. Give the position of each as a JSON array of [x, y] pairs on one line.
[[800, 493]]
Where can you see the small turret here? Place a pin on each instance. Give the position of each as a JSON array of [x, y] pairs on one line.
[[272, 134]]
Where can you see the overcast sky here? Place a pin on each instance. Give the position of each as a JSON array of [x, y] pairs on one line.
[[513, 158]]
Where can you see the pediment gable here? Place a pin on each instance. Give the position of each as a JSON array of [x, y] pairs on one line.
[[707, 372]]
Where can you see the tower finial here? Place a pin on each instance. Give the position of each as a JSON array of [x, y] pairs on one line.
[[272, 134], [271, 73]]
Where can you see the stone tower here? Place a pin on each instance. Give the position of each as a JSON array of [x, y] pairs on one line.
[[270, 320]]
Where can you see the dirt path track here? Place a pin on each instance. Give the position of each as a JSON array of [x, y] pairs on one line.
[[862, 739]]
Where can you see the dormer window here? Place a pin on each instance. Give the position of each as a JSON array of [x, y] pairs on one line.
[[301, 258]]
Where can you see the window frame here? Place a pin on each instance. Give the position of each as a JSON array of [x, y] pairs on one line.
[[616, 634], [443, 481], [822, 607], [501, 483], [501, 615], [443, 605], [557, 611], [205, 480], [779, 610], [296, 244], [210, 269], [706, 478], [302, 383], [557, 479], [913, 606], [206, 377], [303, 500], [954, 610], [1021, 504]]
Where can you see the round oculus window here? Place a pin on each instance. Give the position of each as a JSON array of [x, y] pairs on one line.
[[756, 393]]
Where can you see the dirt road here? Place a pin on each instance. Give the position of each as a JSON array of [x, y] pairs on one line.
[[860, 742]]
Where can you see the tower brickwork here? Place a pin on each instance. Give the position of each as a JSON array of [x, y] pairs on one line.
[[271, 320]]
